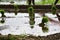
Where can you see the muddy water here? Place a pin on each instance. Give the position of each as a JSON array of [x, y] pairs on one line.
[[19, 24]]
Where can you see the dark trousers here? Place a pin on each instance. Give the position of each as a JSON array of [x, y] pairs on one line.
[[31, 1], [56, 1]]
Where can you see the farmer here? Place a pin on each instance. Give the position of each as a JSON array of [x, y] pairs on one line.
[[31, 1]]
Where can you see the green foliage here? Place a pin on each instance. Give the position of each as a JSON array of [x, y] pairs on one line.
[[32, 26], [15, 8], [10, 37], [41, 24], [54, 9], [30, 10], [2, 12], [31, 22], [44, 19], [44, 29], [31, 15], [32, 18], [2, 21], [15, 13], [22, 36], [43, 2]]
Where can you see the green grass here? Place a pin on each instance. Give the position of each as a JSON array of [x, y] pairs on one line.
[[46, 2]]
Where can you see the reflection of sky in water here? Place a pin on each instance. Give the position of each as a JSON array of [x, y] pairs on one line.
[[19, 2], [20, 25]]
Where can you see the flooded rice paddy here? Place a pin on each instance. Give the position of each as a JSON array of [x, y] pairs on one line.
[[19, 24]]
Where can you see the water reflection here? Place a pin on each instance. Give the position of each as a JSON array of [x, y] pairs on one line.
[[16, 9], [45, 29], [43, 24], [2, 20], [32, 22], [12, 2], [20, 25], [31, 26], [31, 16]]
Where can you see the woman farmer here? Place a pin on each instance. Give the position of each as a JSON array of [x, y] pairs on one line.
[[31, 1]]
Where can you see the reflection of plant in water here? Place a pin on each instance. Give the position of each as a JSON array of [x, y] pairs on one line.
[[32, 26], [2, 21], [2, 13], [15, 8], [43, 23], [32, 22], [12, 2], [44, 29], [54, 9], [44, 20], [31, 15]]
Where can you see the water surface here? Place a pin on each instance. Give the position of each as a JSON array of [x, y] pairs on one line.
[[20, 25]]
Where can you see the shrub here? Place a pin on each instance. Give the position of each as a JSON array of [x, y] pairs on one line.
[[2, 12], [44, 20]]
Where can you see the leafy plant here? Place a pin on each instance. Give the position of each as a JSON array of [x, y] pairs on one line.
[[31, 22], [15, 8], [2, 21], [43, 1], [44, 20], [44, 29], [31, 15], [31, 10], [54, 9], [32, 26], [2, 12], [41, 24]]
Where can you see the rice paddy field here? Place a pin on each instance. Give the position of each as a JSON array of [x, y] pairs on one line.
[[15, 25]]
